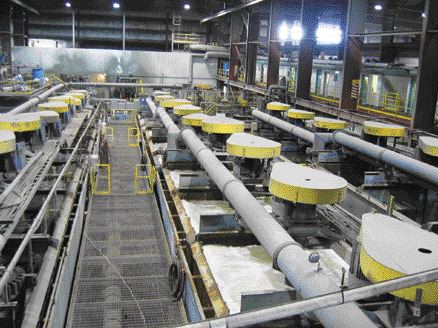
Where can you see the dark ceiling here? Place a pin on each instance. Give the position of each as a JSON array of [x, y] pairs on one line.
[[198, 6]]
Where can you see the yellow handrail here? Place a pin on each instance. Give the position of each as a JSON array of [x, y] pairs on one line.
[[95, 174], [150, 178]]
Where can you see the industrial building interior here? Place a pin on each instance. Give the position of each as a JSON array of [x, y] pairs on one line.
[[218, 163]]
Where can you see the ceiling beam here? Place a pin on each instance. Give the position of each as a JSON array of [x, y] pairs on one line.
[[231, 10], [27, 7]]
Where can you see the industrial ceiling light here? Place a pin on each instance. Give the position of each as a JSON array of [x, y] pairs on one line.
[[283, 32], [68, 4], [423, 15], [378, 7], [328, 34], [116, 5], [187, 6], [296, 32]]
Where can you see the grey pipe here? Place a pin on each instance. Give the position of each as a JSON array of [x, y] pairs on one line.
[[310, 305], [17, 179], [216, 54], [285, 126], [401, 162], [275, 87], [133, 85], [42, 212], [286, 253], [35, 100]]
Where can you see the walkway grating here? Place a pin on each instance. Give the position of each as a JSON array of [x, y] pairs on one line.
[[123, 237]]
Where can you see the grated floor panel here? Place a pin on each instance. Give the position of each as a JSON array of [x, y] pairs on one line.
[[127, 229]]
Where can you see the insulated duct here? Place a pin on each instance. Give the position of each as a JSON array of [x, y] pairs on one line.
[[35, 100], [216, 54], [121, 85], [206, 47], [287, 254], [401, 162], [284, 126]]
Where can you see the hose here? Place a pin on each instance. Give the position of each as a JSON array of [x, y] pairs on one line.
[[177, 277]]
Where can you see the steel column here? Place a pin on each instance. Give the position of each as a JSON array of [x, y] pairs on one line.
[[274, 51], [6, 30], [427, 78], [387, 49], [124, 31], [235, 32], [251, 48], [309, 21], [73, 32], [357, 10], [19, 18]]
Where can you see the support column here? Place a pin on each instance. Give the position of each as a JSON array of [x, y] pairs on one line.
[[167, 31], [309, 22], [19, 19], [427, 78], [235, 32], [73, 30], [357, 11], [6, 30], [124, 31], [387, 49], [274, 52], [251, 48]]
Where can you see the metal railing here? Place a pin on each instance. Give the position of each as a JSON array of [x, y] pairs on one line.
[[183, 38], [96, 175], [133, 137], [149, 178], [109, 135]]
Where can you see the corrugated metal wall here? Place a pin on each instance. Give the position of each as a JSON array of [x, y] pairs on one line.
[[154, 67]]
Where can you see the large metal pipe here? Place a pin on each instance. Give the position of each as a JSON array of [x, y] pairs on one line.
[[36, 100], [216, 54], [231, 10], [287, 254], [121, 85], [401, 162], [285, 126], [286, 311], [42, 212]]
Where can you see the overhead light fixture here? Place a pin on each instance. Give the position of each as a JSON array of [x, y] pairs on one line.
[[378, 7], [116, 5], [187, 6], [328, 34], [296, 32], [423, 15], [283, 32], [68, 4]]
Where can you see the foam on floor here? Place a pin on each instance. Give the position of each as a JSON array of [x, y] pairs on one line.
[[238, 270], [195, 209], [242, 269]]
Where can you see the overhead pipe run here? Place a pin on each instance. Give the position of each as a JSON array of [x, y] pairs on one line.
[[270, 314], [285, 126], [216, 54], [406, 164], [115, 85], [401, 162], [287, 254], [36, 100]]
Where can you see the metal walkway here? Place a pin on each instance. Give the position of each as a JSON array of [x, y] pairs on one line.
[[123, 238]]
